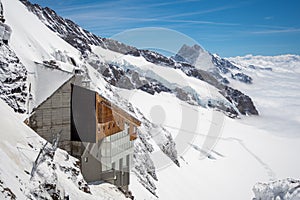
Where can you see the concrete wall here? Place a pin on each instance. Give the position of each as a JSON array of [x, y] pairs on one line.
[[54, 115]]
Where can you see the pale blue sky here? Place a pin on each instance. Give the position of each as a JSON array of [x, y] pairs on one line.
[[226, 27]]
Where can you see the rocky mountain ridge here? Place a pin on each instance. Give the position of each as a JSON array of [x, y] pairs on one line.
[[82, 39]]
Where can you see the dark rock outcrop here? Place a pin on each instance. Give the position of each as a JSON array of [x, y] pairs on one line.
[[66, 29], [223, 65], [13, 76], [243, 102], [242, 77]]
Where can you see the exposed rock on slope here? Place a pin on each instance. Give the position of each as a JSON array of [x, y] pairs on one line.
[[243, 102], [74, 34], [217, 66], [66, 29], [214, 76], [287, 189], [13, 77]]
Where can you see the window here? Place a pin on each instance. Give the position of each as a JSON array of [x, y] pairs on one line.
[[108, 151], [113, 166], [121, 164], [127, 160], [127, 128], [86, 159]]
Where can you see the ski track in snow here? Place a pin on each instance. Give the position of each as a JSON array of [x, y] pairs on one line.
[[270, 172]]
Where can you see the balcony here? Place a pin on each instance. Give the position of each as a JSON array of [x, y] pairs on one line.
[[107, 129]]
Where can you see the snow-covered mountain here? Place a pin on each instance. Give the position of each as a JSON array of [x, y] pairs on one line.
[[119, 68], [222, 69], [178, 101], [195, 55]]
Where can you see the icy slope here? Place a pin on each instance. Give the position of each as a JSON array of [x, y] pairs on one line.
[[33, 43], [56, 174], [168, 76]]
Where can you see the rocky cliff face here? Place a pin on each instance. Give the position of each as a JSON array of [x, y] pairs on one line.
[[243, 102], [13, 76]]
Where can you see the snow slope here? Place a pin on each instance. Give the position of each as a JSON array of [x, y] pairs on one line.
[[170, 77], [245, 155], [19, 148], [32, 41], [30, 38]]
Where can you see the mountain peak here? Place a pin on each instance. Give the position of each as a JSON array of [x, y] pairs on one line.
[[188, 54], [196, 56], [197, 47]]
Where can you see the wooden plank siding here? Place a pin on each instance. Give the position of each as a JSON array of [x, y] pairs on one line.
[[111, 119]]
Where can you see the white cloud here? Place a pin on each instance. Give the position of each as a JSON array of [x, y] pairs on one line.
[[290, 30]]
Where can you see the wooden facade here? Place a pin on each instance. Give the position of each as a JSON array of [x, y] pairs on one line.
[[111, 119]]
